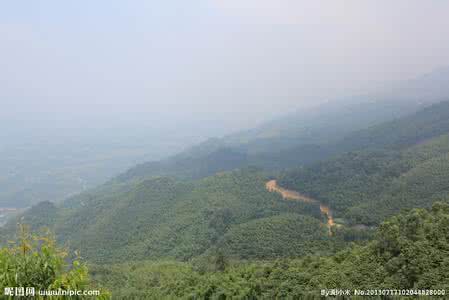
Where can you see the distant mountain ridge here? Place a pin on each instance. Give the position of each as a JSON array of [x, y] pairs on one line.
[[302, 137]]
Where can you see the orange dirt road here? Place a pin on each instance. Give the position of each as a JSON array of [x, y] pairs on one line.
[[272, 186]]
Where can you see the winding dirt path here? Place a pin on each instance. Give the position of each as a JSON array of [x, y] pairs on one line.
[[272, 186]]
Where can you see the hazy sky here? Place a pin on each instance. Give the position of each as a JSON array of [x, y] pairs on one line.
[[234, 62]]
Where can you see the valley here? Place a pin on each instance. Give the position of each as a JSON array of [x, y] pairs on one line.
[[6, 213]]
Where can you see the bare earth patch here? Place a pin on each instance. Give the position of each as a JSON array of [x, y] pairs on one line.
[[272, 186]]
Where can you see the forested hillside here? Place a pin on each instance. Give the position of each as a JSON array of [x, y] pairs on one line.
[[403, 164], [410, 251], [204, 232], [192, 164], [165, 218]]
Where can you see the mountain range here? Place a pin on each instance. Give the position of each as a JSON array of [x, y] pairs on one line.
[[375, 163]]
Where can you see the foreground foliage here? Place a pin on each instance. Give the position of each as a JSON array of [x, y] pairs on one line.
[[36, 262]]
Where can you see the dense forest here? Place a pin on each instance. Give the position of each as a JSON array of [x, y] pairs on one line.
[[204, 225], [409, 251]]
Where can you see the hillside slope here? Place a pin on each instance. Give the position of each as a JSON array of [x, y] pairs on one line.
[[165, 218], [403, 164]]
